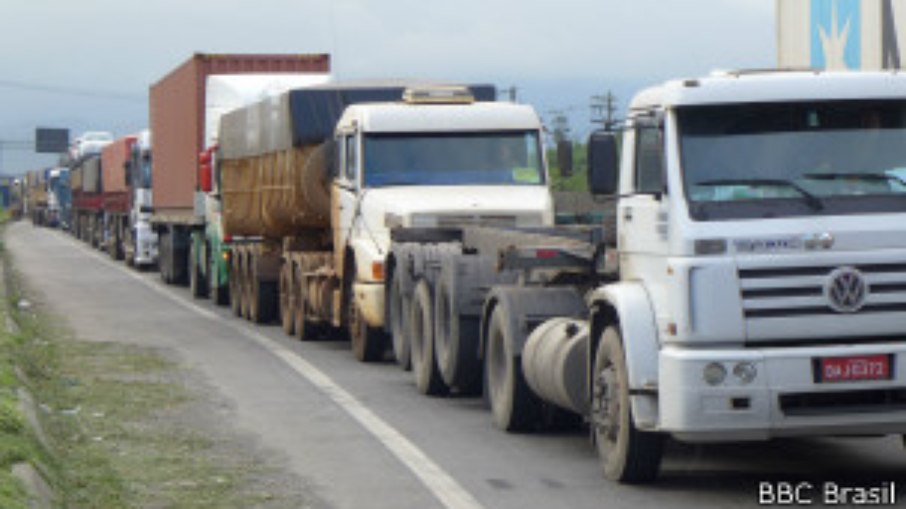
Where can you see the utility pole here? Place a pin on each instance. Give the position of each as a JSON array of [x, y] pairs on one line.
[[559, 125], [603, 110]]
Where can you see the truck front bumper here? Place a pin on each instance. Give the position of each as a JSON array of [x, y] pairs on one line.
[[782, 399], [370, 299]]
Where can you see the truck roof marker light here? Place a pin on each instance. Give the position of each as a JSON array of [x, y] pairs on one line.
[[438, 95]]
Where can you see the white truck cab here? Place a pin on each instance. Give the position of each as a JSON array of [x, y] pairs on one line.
[[436, 159], [762, 257]]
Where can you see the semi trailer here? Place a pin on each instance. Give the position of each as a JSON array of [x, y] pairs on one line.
[[116, 197], [184, 108], [87, 199], [309, 197]]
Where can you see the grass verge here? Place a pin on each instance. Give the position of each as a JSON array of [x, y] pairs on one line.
[[124, 425]]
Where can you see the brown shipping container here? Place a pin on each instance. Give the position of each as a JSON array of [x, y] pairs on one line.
[[113, 164], [177, 117]]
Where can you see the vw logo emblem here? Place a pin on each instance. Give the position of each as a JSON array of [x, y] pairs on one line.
[[846, 290]]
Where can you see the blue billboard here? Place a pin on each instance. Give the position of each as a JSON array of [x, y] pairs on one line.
[[836, 34]]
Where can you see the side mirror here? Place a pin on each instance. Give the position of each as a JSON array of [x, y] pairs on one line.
[[603, 163], [205, 177], [565, 157]]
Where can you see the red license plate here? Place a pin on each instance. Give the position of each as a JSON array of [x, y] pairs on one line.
[[854, 368]]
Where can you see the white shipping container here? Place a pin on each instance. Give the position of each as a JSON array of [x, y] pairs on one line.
[[841, 34]]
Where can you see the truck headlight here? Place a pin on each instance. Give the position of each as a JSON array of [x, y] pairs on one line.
[[714, 373], [745, 372]]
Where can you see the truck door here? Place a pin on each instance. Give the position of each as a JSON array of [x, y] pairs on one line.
[[643, 214], [345, 192]]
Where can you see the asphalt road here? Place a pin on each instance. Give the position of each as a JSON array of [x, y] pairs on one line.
[[360, 435]]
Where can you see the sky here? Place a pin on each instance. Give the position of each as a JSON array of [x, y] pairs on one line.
[[87, 65]]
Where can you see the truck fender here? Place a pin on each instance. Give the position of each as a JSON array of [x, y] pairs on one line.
[[365, 254], [527, 308], [628, 304]]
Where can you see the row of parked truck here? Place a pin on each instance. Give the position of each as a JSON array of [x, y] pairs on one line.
[[747, 282]]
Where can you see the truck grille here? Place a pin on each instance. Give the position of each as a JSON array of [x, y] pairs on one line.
[[800, 291]]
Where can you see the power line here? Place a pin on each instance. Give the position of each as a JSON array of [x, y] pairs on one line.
[[54, 89]]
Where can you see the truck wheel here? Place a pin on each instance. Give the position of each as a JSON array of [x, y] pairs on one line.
[[264, 300], [219, 293], [399, 311], [235, 287], [455, 342], [305, 328], [245, 288], [197, 282], [287, 299], [368, 343], [421, 333], [627, 454], [164, 243], [130, 248], [513, 405]]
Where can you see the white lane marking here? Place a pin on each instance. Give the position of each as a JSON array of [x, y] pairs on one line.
[[449, 492]]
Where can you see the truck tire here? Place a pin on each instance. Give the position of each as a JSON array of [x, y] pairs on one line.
[[198, 285], [263, 300], [306, 330], [245, 284], [455, 340], [428, 379], [235, 285], [129, 250], [627, 455], [164, 261], [220, 294], [513, 405], [288, 297], [399, 311], [368, 343]]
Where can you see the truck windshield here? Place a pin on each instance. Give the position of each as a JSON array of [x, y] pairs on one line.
[[493, 158], [849, 155]]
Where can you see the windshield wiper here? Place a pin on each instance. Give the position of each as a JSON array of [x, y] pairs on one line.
[[810, 199], [871, 176]]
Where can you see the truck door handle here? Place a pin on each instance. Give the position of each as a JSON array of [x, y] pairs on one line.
[[627, 215]]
